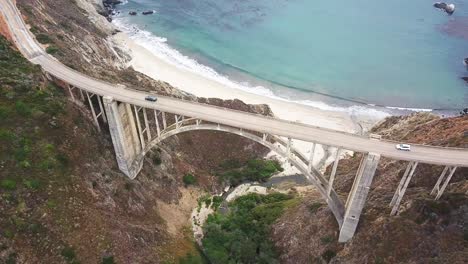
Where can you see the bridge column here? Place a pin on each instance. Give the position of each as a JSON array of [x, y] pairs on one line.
[[437, 188], [333, 172], [357, 196], [124, 136], [93, 112], [311, 157], [400, 192]]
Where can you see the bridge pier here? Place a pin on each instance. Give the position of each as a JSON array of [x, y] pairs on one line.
[[437, 188], [311, 157], [333, 172], [357, 196], [124, 136], [400, 192]]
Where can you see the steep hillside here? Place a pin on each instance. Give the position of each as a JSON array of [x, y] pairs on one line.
[[426, 231], [93, 211], [62, 198]]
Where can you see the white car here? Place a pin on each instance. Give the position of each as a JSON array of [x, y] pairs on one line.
[[404, 147]]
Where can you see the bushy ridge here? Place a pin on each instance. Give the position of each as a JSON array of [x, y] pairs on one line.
[[242, 235]]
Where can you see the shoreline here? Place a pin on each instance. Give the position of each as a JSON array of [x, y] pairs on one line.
[[144, 61]]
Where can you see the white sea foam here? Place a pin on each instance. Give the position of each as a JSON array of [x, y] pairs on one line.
[[409, 109], [159, 47]]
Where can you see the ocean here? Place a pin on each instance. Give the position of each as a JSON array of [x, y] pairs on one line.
[[397, 54]]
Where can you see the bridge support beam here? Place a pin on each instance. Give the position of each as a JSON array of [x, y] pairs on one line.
[[440, 190], [93, 112], [357, 196], [156, 121], [311, 157], [333, 172], [124, 136], [400, 192]]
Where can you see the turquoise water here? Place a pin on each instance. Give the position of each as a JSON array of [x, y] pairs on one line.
[[390, 53]]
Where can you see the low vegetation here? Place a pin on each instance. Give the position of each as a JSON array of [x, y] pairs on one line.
[[43, 38], [242, 235], [30, 155], [189, 179], [52, 50], [255, 170]]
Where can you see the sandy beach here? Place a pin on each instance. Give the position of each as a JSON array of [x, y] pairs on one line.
[[148, 63]]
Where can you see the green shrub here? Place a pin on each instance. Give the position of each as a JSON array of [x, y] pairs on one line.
[[4, 112], [128, 186], [23, 109], [191, 259], [326, 239], [8, 184], [11, 258], [6, 135], [157, 160], [68, 253], [24, 149], [255, 170], [189, 179], [8, 233], [63, 159], [25, 164], [32, 184], [34, 29], [43, 38], [205, 199], [328, 255], [217, 201], [51, 204], [52, 50], [242, 235], [48, 164], [35, 228], [108, 260], [313, 208]]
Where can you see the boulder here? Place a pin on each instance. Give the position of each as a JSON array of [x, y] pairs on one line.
[[132, 13], [448, 8], [149, 12]]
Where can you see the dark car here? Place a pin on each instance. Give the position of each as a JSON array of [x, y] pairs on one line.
[[151, 98]]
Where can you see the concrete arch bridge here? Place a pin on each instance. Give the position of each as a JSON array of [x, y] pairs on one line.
[[137, 125]]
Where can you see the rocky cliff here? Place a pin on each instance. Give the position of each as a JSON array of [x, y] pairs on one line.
[[425, 231]]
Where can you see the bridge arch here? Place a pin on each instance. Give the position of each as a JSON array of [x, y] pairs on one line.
[[293, 156]]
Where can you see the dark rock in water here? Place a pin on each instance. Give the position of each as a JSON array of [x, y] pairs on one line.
[[465, 62], [109, 8], [440, 5], [112, 2], [132, 13], [448, 8], [465, 79], [149, 12]]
